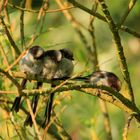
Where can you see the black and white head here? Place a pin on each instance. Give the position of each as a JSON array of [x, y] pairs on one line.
[[55, 55], [32, 61], [66, 53], [37, 52], [107, 79]]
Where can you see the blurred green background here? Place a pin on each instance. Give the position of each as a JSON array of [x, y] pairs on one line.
[[82, 117]]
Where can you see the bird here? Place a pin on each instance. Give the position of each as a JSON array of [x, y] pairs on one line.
[[30, 63], [105, 78], [57, 64], [51, 59], [64, 70]]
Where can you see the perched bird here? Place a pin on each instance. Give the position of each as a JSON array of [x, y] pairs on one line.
[[64, 70], [105, 78], [51, 60], [57, 64], [31, 63]]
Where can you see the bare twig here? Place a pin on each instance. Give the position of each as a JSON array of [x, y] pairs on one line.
[[22, 24], [126, 13], [75, 25], [33, 119], [10, 37], [4, 55], [37, 11], [11, 79], [102, 103], [16, 61], [126, 128]]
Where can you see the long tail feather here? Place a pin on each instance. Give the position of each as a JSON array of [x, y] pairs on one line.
[[47, 114], [28, 120], [17, 100]]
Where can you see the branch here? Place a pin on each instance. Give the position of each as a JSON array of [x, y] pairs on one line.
[[99, 16], [110, 95], [119, 48], [129, 8], [22, 25], [37, 11], [15, 47], [11, 79]]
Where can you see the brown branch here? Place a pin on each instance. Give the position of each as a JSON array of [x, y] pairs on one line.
[[16, 61], [75, 25], [33, 119], [22, 25], [126, 128], [37, 11]]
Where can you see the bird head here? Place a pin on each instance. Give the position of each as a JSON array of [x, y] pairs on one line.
[[37, 52], [66, 53]]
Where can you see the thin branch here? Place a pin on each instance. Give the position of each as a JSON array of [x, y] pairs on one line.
[[22, 25], [130, 31], [33, 119], [4, 55], [103, 104], [15, 62], [126, 13], [107, 125], [37, 11], [75, 25], [126, 128], [11, 79], [99, 16], [10, 37], [119, 48]]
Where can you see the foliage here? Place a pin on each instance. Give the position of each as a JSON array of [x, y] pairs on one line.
[[102, 35]]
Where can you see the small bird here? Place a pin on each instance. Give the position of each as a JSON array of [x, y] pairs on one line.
[[105, 78], [31, 63], [64, 70], [51, 60]]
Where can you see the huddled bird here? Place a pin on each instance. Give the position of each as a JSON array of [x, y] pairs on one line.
[[31, 63], [56, 64], [51, 65]]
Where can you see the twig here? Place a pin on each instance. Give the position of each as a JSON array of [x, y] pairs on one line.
[[33, 119], [119, 48], [126, 13], [126, 128], [130, 31], [102, 103], [91, 31], [22, 25], [37, 11], [11, 79], [76, 4], [16, 129], [16, 61], [10, 37], [75, 25], [4, 55], [106, 118]]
